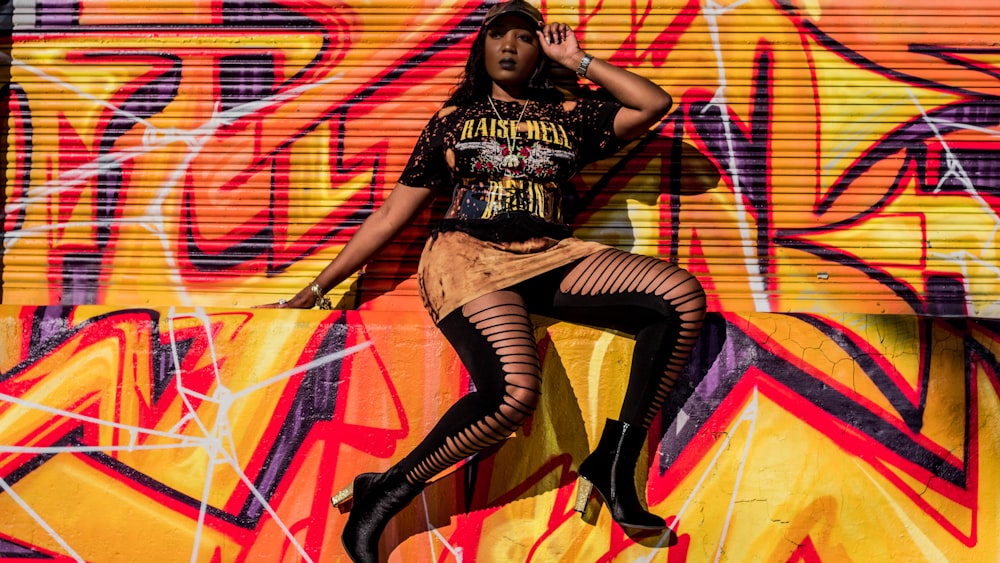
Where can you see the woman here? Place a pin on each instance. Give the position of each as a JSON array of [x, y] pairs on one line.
[[505, 144]]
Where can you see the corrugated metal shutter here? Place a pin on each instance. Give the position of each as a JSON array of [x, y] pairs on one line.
[[219, 153]]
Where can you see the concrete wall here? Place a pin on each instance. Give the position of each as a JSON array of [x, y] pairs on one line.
[[829, 172]]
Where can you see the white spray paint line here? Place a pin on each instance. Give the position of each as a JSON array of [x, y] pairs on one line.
[[220, 432], [41, 521], [225, 434], [153, 139], [304, 367], [155, 207], [956, 171], [211, 446], [133, 430], [75, 177], [41, 450], [922, 541], [749, 415], [212, 443], [455, 551], [206, 489], [711, 11]]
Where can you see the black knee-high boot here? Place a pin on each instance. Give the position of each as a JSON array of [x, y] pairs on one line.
[[611, 470], [477, 421], [373, 499]]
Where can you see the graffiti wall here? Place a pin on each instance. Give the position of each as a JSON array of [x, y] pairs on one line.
[[821, 156], [194, 435], [828, 171]]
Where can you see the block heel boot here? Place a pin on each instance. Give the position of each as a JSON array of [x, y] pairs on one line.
[[610, 472], [372, 500]]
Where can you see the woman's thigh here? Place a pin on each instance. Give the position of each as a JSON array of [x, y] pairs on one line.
[[494, 337], [617, 290]]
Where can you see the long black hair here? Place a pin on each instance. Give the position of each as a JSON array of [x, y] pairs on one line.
[[476, 83]]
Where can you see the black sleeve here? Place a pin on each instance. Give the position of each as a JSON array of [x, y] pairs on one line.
[[426, 167], [598, 122]]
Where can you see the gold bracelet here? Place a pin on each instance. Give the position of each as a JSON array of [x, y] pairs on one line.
[[321, 300]]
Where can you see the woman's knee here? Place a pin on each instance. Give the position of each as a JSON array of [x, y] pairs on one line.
[[511, 397], [527, 398], [688, 298]]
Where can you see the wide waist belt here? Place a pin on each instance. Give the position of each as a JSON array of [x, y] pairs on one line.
[[509, 196]]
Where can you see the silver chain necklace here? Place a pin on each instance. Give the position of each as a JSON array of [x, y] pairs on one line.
[[513, 159]]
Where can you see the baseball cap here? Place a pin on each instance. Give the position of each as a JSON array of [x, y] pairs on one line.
[[516, 7]]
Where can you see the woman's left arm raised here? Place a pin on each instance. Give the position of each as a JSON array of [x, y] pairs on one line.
[[644, 103]]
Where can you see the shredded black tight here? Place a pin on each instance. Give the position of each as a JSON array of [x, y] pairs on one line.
[[658, 302], [495, 340]]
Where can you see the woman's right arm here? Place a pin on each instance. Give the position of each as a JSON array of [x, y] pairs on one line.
[[396, 212]]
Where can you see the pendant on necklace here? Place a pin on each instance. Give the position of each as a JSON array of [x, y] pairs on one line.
[[513, 160]]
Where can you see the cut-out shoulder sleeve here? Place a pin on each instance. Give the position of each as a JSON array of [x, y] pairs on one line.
[[598, 127], [426, 167]]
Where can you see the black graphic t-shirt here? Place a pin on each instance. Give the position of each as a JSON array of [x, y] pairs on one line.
[[508, 171]]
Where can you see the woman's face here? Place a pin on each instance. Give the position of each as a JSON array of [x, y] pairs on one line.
[[512, 51]]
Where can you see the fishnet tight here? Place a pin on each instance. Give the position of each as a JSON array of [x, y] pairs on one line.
[[659, 303]]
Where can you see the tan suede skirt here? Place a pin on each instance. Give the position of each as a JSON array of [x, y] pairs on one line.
[[456, 268]]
